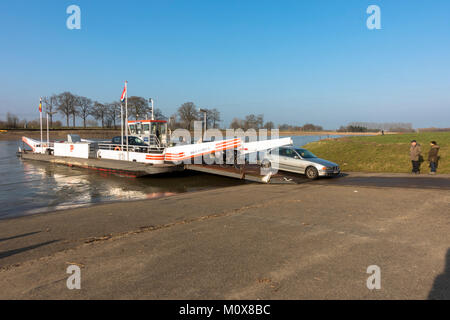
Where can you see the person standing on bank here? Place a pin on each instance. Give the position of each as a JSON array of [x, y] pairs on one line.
[[433, 157], [415, 156]]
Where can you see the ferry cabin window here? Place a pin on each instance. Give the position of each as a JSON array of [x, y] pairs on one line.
[[146, 128], [158, 129], [138, 128], [132, 128]]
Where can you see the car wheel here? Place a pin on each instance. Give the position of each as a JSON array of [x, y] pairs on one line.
[[312, 173], [266, 164]]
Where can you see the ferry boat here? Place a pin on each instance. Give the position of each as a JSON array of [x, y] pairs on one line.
[[146, 142]]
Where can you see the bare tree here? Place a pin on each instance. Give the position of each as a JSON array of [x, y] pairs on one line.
[[288, 127], [250, 122], [311, 127], [188, 113], [84, 108], [269, 125], [259, 121], [253, 122], [159, 115], [99, 112], [11, 121], [173, 123], [113, 113], [214, 117], [237, 124], [66, 105], [50, 103], [138, 107]]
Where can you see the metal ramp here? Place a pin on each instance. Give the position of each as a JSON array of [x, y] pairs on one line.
[[248, 172]]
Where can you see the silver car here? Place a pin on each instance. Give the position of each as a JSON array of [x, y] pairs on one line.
[[298, 160]]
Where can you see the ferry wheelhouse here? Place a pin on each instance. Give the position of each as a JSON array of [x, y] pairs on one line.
[[152, 132], [147, 142]]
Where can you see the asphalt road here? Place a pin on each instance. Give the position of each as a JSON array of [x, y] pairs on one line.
[[308, 241], [393, 180]]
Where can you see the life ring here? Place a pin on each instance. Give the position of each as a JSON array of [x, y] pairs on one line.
[[117, 148]]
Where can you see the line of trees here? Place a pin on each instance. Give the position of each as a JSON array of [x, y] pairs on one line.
[[13, 122], [188, 112], [308, 127], [376, 127], [257, 122], [73, 106], [251, 121]]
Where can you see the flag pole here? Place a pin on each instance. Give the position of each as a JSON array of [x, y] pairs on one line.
[[121, 130], [126, 116], [40, 121], [153, 113], [48, 134]]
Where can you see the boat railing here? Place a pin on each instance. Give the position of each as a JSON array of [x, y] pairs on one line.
[[154, 141], [45, 145], [131, 148]]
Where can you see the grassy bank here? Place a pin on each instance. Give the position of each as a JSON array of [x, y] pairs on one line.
[[326, 133], [389, 153]]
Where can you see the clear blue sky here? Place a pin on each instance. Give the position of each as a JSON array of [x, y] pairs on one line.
[[294, 61]]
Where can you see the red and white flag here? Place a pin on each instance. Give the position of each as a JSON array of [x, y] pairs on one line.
[[124, 93]]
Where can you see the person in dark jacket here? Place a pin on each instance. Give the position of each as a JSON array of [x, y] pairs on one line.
[[415, 156], [433, 156]]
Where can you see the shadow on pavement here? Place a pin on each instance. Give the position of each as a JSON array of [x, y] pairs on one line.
[[9, 253], [19, 236], [441, 285]]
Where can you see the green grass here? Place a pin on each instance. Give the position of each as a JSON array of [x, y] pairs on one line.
[[388, 153]]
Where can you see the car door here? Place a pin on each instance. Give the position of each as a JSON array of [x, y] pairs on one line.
[[280, 159], [291, 161], [274, 158], [302, 163]]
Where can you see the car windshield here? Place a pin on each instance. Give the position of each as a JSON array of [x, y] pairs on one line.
[[135, 141], [305, 153]]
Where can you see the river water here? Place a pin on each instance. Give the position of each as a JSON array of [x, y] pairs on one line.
[[30, 187]]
